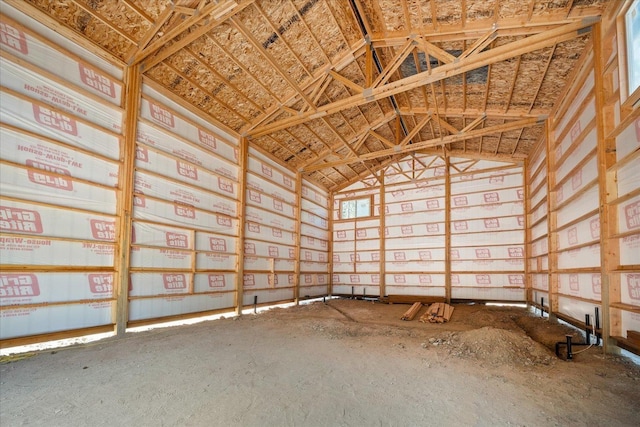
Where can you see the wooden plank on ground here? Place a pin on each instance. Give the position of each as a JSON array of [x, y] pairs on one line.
[[438, 312], [412, 312]]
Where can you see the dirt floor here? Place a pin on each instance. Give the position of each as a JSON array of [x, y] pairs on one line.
[[344, 363]]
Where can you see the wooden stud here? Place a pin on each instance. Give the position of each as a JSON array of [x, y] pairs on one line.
[[527, 232], [607, 186], [331, 211], [243, 159], [132, 88], [383, 238], [447, 230], [551, 222], [298, 239]]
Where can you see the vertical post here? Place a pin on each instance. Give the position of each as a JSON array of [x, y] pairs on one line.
[[551, 223], [242, 195], [447, 229], [298, 231], [133, 83], [607, 191], [527, 232], [330, 244], [383, 237]]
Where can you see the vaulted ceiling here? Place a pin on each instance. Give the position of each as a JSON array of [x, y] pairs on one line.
[[337, 89]]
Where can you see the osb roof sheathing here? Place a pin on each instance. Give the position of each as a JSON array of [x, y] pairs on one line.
[[300, 78]]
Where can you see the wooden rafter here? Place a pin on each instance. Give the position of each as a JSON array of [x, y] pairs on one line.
[[345, 81], [417, 128], [427, 144], [357, 140], [364, 174], [197, 85], [468, 113], [474, 123], [498, 54], [214, 10], [443, 123], [139, 11], [382, 139], [475, 156], [272, 61], [158, 52], [282, 39], [151, 33], [395, 63], [542, 77], [97, 15], [504, 27], [479, 44], [433, 50], [513, 83], [320, 77]]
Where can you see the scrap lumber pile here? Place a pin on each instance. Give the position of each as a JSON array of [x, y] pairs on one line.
[[412, 312], [438, 312]]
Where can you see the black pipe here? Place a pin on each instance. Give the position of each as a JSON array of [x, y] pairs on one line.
[[255, 304], [569, 352], [597, 322], [587, 323], [541, 306], [352, 296]]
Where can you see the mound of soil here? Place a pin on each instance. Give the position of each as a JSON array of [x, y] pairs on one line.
[[499, 347]]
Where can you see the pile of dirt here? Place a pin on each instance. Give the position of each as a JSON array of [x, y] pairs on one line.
[[498, 347]]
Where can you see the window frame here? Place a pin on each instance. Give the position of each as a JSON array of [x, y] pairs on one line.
[[629, 99], [355, 199]]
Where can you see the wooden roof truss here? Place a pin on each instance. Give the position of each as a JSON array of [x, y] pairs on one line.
[[338, 90]]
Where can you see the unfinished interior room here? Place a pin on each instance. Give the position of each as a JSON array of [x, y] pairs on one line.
[[320, 212]]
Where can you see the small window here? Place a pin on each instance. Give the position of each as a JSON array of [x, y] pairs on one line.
[[632, 26], [355, 208]]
